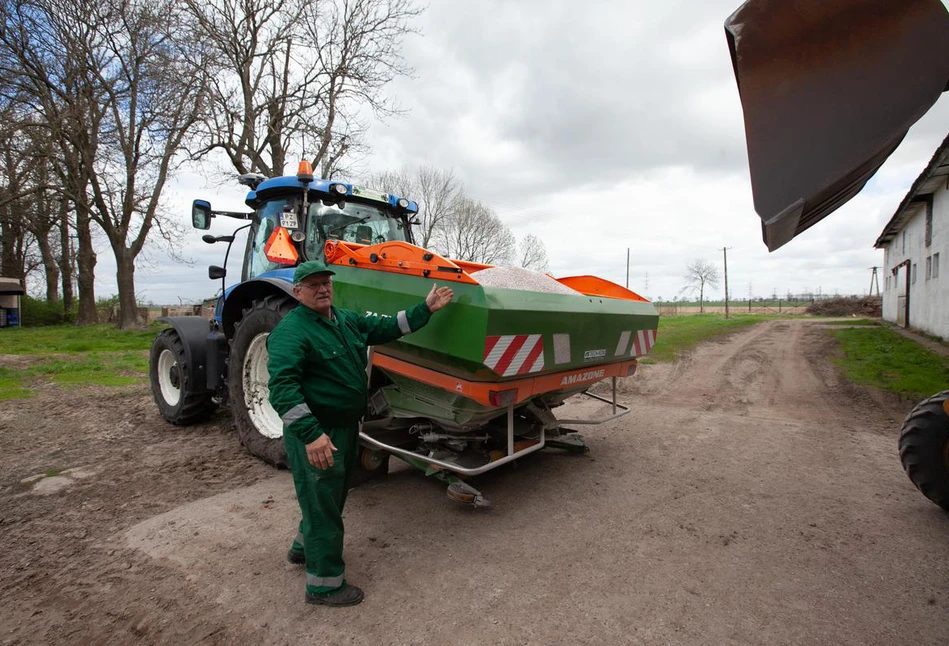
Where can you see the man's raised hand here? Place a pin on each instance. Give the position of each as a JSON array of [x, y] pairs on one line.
[[438, 298]]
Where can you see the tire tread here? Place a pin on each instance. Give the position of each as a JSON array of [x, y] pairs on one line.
[[922, 442]]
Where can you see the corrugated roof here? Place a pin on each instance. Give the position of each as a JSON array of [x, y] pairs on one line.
[[934, 176]]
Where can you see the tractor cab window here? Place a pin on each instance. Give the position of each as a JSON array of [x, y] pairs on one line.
[[266, 220], [361, 223]]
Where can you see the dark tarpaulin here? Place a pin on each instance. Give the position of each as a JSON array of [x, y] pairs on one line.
[[829, 90]]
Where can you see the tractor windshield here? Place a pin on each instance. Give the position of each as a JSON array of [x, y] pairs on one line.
[[354, 222]]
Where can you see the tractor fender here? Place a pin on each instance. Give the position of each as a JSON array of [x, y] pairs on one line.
[[193, 331], [241, 296]]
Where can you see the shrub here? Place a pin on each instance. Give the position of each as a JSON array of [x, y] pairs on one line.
[[35, 312], [871, 306]]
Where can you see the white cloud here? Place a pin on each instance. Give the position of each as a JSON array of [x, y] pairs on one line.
[[598, 127]]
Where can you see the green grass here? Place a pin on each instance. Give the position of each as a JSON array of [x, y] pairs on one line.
[[882, 358], [70, 356], [70, 339], [681, 333]]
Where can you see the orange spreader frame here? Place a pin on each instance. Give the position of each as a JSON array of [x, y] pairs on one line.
[[400, 258], [528, 388], [403, 258]]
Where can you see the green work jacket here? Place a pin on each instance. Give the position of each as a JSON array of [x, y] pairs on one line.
[[318, 366]]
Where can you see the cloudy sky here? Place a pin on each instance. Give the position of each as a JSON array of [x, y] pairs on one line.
[[599, 127]]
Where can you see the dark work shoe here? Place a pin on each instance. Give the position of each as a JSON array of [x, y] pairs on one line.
[[348, 595], [297, 557]]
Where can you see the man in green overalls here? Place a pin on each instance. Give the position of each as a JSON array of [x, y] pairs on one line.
[[319, 388]]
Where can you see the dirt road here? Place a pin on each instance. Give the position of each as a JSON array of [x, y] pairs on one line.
[[750, 497]]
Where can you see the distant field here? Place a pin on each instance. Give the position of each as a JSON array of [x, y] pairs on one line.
[[101, 355], [675, 309]]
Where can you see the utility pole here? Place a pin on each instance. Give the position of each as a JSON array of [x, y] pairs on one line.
[[874, 280], [627, 267], [725, 255]]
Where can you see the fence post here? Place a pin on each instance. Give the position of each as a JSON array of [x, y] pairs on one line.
[[779, 306], [749, 306]]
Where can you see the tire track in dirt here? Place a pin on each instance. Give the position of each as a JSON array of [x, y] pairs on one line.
[[777, 374]]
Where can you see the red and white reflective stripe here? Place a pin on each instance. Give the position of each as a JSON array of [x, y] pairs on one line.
[[643, 341], [514, 354]]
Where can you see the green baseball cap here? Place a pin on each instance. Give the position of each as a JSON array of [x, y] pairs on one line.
[[309, 268]]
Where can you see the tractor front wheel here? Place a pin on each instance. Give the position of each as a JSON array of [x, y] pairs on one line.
[[179, 401], [924, 448], [259, 427]]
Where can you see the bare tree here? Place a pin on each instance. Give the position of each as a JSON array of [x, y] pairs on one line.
[[473, 232], [116, 87], [151, 92], [44, 72], [292, 76], [698, 274], [437, 192], [533, 253], [26, 221]]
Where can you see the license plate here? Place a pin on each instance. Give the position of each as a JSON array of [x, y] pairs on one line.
[[288, 220]]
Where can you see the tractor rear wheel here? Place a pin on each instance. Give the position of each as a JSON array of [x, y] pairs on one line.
[[179, 401], [259, 427], [924, 448]]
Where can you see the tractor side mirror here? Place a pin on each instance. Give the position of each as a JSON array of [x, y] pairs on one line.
[[215, 272], [201, 214]]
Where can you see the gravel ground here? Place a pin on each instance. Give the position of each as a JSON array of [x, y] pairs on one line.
[[749, 497]]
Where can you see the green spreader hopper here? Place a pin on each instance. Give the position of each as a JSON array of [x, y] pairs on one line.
[[471, 391]]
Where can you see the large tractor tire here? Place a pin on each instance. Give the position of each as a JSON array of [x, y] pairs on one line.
[[179, 401], [259, 427], [924, 448]]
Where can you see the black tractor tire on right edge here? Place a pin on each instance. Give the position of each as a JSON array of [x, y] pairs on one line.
[[250, 336], [179, 401], [924, 448]]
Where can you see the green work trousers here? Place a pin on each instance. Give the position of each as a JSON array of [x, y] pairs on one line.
[[322, 494]]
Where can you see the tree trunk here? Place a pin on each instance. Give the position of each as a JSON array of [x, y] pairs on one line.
[[10, 233], [87, 265], [65, 261], [49, 267], [125, 277]]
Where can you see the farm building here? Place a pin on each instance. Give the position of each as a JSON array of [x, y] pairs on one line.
[[916, 246]]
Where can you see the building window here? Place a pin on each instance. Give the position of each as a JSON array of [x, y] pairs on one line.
[[904, 242], [935, 265], [929, 221], [913, 279], [929, 267]]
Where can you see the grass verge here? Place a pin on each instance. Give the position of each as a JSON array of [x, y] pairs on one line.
[[879, 357]]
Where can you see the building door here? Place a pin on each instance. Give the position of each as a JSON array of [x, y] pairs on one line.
[[902, 277]]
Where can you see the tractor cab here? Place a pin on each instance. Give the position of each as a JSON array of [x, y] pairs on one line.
[[294, 217]]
